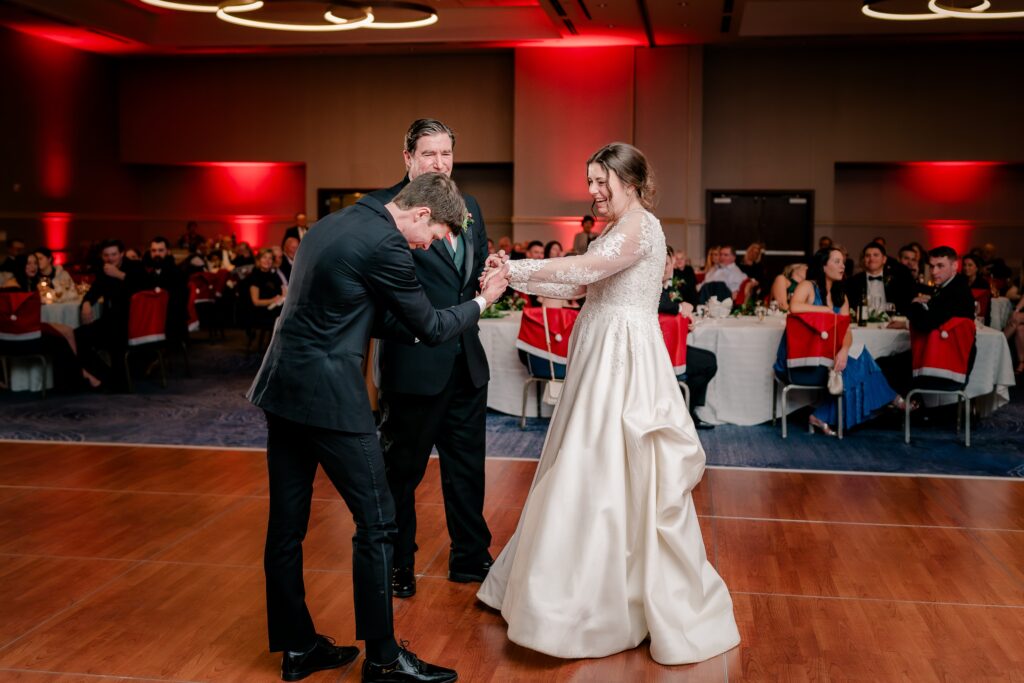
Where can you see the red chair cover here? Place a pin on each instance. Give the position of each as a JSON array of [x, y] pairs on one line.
[[20, 316], [531, 332], [945, 351], [741, 295], [147, 317], [201, 289], [813, 338], [700, 277], [984, 299], [675, 329]]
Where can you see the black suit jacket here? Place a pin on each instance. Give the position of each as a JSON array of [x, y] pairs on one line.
[[688, 281], [952, 301], [351, 266], [293, 232], [899, 288], [117, 294], [424, 371]]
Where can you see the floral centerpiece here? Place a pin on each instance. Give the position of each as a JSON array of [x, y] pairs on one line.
[[504, 306]]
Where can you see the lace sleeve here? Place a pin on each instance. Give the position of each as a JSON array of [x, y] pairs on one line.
[[567, 277]]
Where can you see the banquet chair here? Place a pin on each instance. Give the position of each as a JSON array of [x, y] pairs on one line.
[[21, 330], [147, 329], [811, 339], [942, 360], [203, 300], [675, 329], [543, 354]]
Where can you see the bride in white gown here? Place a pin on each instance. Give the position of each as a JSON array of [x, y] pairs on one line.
[[608, 550]]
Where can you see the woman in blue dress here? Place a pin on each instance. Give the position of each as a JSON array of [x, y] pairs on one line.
[[864, 387]]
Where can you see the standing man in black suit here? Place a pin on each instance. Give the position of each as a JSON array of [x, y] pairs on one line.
[[881, 280], [352, 267], [438, 396], [299, 230]]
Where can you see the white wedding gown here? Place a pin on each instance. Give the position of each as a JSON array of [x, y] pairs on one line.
[[608, 550]]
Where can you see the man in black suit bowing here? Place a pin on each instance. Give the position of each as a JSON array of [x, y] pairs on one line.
[[438, 396], [351, 267]]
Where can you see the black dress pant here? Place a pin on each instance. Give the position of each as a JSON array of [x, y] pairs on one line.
[[109, 334], [701, 368], [455, 421], [354, 465]]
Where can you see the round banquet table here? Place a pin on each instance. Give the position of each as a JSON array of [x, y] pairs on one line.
[[27, 375], [741, 391]]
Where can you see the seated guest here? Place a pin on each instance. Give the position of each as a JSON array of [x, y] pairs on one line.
[[14, 248], [701, 365], [582, 240], [865, 389], [132, 254], [266, 291], [711, 259], [786, 283], [191, 238], [243, 255], [59, 278], [490, 247], [908, 257], [214, 261], [25, 274], [880, 282], [505, 245], [971, 270], [162, 273], [751, 262], [553, 249], [683, 278], [727, 272], [952, 298], [535, 250], [824, 242], [115, 284], [1014, 332], [288, 249]]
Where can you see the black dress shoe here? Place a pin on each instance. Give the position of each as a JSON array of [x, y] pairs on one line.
[[403, 582], [408, 667], [701, 424], [323, 655], [468, 573]]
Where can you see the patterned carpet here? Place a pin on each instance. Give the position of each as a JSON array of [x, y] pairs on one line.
[[209, 409]]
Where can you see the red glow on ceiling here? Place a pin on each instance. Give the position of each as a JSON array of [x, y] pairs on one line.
[[949, 233], [55, 232], [79, 38], [951, 181]]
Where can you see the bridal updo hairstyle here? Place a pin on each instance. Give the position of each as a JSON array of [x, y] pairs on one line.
[[631, 166]]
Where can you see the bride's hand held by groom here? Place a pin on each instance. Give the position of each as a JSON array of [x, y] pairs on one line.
[[494, 279]]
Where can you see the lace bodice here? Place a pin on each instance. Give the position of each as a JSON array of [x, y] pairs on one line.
[[622, 268]]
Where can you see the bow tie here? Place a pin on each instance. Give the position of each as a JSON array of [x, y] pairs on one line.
[[874, 278]]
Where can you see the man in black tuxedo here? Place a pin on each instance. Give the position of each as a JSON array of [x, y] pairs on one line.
[[701, 365], [119, 279], [881, 280], [952, 298], [163, 273], [352, 267], [438, 396]]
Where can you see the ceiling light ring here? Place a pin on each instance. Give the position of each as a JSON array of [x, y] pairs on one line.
[[227, 11], [368, 6], [972, 12]]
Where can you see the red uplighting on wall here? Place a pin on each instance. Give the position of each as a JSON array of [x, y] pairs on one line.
[[951, 182], [949, 233], [55, 232], [251, 229]]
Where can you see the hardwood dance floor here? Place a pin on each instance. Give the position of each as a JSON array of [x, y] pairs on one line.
[[145, 564]]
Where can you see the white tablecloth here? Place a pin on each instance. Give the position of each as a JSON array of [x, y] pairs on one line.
[[505, 391], [741, 391], [999, 312], [26, 375]]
